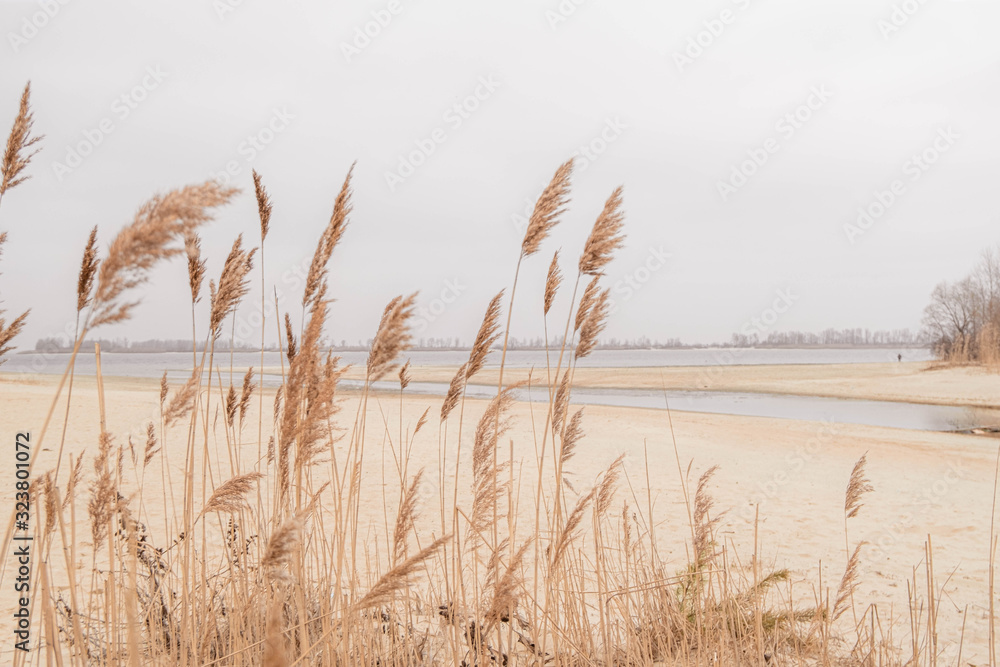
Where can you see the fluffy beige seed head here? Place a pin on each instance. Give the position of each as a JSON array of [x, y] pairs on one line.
[[605, 238], [857, 487], [263, 205], [392, 338], [548, 208], [552, 281], [139, 246], [489, 332], [328, 241], [16, 157], [88, 270]]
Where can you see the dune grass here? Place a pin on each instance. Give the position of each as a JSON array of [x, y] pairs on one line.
[[295, 550]]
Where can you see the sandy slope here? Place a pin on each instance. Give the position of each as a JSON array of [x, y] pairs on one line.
[[795, 472], [913, 382]]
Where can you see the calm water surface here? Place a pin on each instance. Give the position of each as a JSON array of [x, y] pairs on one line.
[[873, 413]]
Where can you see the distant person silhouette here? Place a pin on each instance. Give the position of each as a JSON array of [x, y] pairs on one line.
[[899, 358]]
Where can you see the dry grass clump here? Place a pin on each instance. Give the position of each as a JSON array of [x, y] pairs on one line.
[[283, 565], [17, 155], [159, 223]]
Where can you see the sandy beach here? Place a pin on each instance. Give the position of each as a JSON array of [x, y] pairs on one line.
[[913, 382], [790, 474]]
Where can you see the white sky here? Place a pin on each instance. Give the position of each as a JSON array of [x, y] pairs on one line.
[[681, 131]]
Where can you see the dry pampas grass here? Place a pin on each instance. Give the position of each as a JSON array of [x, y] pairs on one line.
[[230, 496], [857, 487], [398, 578], [292, 349], [587, 301], [489, 332], [574, 432], [75, 475], [568, 533], [704, 522], [552, 282], [593, 325], [550, 205], [231, 403], [263, 205], [159, 222], [9, 331], [487, 490], [505, 588], [608, 486], [150, 449], [318, 563], [392, 338], [281, 547], [17, 156], [183, 401], [561, 403], [328, 241], [164, 388], [404, 376], [405, 519], [196, 265], [248, 388], [88, 270], [605, 237], [103, 494], [234, 284], [455, 390], [848, 584]]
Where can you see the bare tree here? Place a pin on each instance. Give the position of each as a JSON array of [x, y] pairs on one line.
[[963, 318]]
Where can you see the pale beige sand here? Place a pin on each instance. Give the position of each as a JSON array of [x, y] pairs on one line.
[[925, 483], [916, 382]]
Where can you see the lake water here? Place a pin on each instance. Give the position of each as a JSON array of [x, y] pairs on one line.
[[873, 413], [153, 364], [813, 408]]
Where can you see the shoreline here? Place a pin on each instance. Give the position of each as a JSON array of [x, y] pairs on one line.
[[793, 471], [922, 383]]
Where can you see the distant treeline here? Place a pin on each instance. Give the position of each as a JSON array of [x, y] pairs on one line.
[[833, 338], [126, 345], [828, 338]]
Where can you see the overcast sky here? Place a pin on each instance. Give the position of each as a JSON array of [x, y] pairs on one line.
[[747, 134]]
